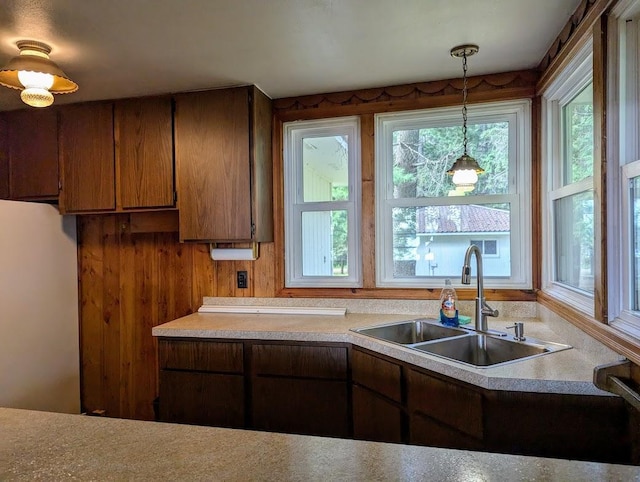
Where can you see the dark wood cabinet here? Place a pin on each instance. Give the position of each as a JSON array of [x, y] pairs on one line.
[[202, 382], [443, 413], [32, 145], [223, 165], [378, 413], [144, 153], [87, 158], [300, 389]]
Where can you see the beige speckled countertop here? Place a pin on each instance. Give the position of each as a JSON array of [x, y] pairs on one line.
[[569, 371], [52, 446]]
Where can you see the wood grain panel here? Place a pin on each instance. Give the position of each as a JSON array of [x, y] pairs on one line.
[[213, 165], [4, 157], [381, 376], [447, 402], [300, 361], [375, 418], [144, 152], [202, 398], [33, 153], [425, 430], [201, 355], [368, 223], [87, 157], [318, 407]]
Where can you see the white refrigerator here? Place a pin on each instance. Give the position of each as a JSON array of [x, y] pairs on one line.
[[39, 341]]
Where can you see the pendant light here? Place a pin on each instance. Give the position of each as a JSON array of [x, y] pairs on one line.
[[466, 169], [37, 76]]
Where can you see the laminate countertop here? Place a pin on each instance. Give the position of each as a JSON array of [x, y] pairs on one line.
[[569, 371], [52, 446]]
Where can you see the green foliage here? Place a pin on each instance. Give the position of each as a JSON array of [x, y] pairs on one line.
[[339, 229]]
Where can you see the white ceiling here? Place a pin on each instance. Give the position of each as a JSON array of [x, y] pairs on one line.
[[125, 48]]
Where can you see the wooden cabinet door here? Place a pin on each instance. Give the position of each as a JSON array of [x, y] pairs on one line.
[[202, 398], [87, 158], [4, 157], [376, 418], [144, 153], [33, 154], [213, 165]]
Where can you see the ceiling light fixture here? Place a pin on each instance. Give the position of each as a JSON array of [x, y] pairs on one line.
[[466, 169], [37, 76]]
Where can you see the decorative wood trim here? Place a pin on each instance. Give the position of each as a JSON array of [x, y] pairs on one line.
[[503, 86], [614, 339], [570, 39], [403, 293], [600, 167], [368, 223]]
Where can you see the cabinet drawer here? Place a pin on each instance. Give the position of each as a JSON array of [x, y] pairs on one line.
[[222, 357], [300, 361], [446, 402], [379, 375]]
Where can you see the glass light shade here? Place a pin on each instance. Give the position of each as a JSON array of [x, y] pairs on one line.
[[465, 178], [36, 97], [38, 80]]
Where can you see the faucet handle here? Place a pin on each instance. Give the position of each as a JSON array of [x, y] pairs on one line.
[[518, 327], [488, 311]]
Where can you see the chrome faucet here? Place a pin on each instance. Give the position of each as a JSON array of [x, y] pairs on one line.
[[482, 308]]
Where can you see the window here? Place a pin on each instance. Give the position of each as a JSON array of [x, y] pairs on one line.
[[623, 174], [568, 184], [423, 225], [322, 203]]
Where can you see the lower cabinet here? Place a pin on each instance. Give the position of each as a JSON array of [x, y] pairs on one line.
[[300, 389], [338, 390], [201, 382]]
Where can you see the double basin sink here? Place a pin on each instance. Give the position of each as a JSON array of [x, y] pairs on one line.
[[460, 344]]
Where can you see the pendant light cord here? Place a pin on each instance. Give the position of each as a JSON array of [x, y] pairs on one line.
[[464, 102]]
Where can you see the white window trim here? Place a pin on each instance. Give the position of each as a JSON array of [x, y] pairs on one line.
[[623, 152], [518, 196], [570, 82], [293, 134]]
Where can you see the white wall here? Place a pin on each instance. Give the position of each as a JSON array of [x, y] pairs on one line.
[[39, 341]]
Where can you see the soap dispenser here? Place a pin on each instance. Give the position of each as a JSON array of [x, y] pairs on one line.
[[448, 305]]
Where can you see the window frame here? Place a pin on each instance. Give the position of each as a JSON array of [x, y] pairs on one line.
[[293, 134], [623, 153], [518, 114], [577, 75]]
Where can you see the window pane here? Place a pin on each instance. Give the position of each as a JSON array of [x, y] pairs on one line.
[[325, 170], [577, 118], [421, 158], [432, 240], [490, 247], [324, 243], [635, 231], [574, 240]]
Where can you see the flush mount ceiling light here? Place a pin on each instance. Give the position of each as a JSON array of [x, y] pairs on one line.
[[36, 75], [466, 169]]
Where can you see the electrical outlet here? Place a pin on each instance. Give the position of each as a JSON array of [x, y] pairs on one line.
[[243, 279]]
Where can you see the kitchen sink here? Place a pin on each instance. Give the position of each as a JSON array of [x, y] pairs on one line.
[[486, 351], [460, 344], [412, 331]]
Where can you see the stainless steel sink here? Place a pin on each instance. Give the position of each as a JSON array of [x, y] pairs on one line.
[[460, 344], [412, 331], [486, 351]]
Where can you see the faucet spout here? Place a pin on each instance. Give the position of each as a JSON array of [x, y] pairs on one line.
[[482, 308]]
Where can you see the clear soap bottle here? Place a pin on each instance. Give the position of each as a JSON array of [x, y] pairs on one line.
[[448, 305]]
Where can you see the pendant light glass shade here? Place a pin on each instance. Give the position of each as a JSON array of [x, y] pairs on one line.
[[466, 169], [37, 76]]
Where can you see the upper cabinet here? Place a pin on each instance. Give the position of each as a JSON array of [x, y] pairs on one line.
[[87, 158], [30, 155], [223, 165], [144, 153], [117, 156]]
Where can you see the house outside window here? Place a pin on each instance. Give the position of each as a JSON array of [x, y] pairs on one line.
[[423, 225], [568, 195], [322, 203]]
